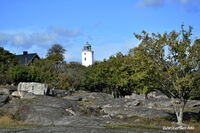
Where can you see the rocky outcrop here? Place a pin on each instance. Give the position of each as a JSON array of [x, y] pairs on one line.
[[123, 112], [33, 87], [85, 110], [62, 93], [157, 95], [193, 104], [3, 99], [136, 96], [16, 94], [158, 103], [23, 95], [106, 105], [73, 98], [4, 91], [43, 110]]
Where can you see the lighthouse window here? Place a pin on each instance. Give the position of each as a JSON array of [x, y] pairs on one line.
[[85, 59], [84, 53]]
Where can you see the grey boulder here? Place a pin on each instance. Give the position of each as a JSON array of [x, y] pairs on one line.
[[3, 99]]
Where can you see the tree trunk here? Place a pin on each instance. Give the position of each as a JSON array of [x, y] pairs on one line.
[[179, 115], [179, 106]]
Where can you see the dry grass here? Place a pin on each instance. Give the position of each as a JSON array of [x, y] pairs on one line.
[[5, 120], [196, 127], [132, 126], [8, 122], [158, 123]]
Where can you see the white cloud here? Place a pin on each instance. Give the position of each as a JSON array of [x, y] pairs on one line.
[[189, 5], [63, 31], [151, 3], [186, 1], [18, 39], [45, 38], [158, 3]]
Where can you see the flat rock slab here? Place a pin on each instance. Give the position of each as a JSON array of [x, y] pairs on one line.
[[43, 110], [161, 103], [47, 101], [120, 112]]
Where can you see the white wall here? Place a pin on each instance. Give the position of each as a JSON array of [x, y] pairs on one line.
[[87, 58]]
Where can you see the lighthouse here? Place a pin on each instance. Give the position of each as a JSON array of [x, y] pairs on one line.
[[87, 55]]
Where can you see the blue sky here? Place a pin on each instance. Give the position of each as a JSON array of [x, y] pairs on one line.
[[108, 25]]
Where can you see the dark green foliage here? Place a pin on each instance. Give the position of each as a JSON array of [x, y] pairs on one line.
[[144, 77], [76, 75], [195, 92], [56, 53], [58, 74], [20, 74], [7, 61], [47, 71], [111, 76]]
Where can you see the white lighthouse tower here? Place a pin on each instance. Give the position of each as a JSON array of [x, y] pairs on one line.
[[87, 55]]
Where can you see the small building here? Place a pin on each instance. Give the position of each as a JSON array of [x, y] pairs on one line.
[[87, 55], [26, 58]]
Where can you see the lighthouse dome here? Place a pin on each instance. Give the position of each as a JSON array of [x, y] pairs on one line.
[[87, 47]]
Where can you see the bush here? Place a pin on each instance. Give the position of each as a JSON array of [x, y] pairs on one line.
[[20, 74]]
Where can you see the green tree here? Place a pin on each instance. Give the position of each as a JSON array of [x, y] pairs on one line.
[[111, 76], [119, 75], [144, 77], [76, 75], [95, 79], [7, 61], [20, 74], [175, 59], [56, 53], [58, 74], [46, 71]]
